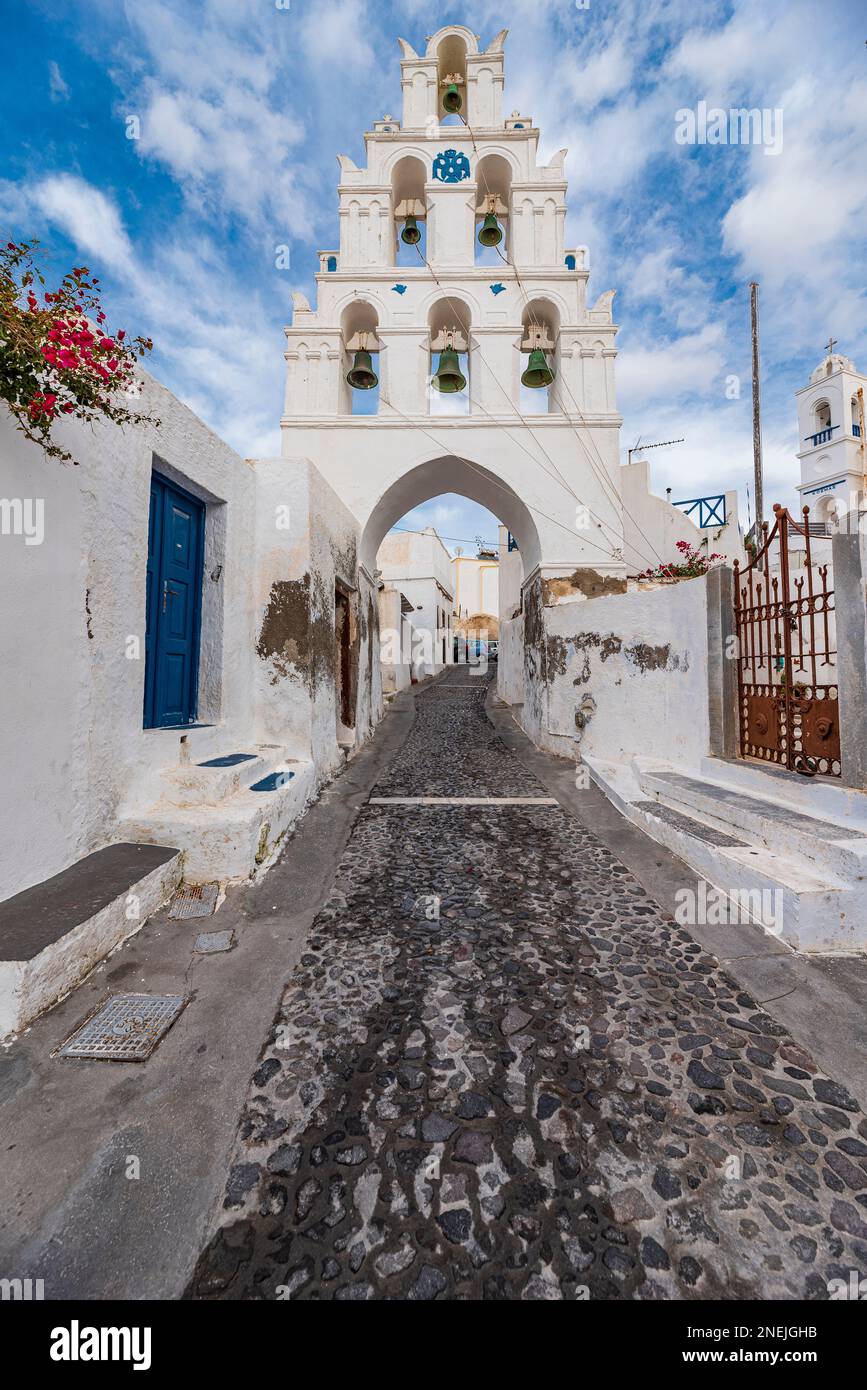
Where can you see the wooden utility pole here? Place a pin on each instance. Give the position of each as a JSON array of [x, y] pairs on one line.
[[757, 412]]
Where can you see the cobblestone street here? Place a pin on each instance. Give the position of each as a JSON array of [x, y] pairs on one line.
[[500, 1071]]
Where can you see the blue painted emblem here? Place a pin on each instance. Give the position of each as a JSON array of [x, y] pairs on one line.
[[498, 289], [399, 289], [451, 167]]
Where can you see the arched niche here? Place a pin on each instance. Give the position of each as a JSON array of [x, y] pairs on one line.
[[821, 415], [494, 184], [451, 53], [541, 315], [408, 178], [447, 316], [360, 317]]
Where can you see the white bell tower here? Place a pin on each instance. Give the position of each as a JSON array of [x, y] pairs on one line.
[[543, 455], [831, 420]]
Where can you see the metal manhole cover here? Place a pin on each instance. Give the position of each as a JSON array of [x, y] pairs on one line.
[[194, 900], [126, 1028]]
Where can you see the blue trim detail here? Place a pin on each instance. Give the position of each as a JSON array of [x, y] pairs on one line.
[[234, 761], [452, 166], [826, 487], [498, 289], [708, 509], [173, 637], [399, 289], [275, 782]]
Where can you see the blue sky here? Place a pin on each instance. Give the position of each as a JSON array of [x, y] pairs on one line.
[[243, 104]]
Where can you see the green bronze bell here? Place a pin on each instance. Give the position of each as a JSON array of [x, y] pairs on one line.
[[362, 377], [448, 377], [538, 374], [491, 233], [453, 102], [411, 233]]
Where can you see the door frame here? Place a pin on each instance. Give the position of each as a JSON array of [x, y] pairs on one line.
[[195, 665]]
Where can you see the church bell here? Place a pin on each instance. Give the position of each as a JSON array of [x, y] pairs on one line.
[[448, 377], [538, 374], [411, 233], [491, 233], [453, 102], [362, 377]]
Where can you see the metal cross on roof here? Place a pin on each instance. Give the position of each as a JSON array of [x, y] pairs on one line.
[[832, 343]]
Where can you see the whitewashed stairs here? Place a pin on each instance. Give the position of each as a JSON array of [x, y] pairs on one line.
[[744, 828], [229, 812]]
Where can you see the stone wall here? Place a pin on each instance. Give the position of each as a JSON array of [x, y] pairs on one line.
[[632, 668]]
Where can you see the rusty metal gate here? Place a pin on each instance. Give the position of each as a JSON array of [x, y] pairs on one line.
[[786, 630]]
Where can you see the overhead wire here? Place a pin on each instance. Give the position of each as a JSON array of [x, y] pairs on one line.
[[559, 478], [447, 450]]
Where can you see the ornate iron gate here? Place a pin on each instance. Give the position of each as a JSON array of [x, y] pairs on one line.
[[787, 655]]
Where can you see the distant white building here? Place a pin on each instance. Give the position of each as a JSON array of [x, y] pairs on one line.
[[477, 593], [419, 566], [831, 423]]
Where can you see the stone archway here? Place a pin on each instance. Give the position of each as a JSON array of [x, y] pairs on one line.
[[450, 474], [461, 476]]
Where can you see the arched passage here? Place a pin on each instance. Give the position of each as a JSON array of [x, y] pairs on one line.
[[450, 474]]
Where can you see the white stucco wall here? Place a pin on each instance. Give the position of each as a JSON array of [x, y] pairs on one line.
[[298, 565], [476, 585], [419, 567], [642, 658], [77, 761], [71, 698]]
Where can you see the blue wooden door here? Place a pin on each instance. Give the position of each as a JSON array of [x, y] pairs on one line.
[[174, 601]]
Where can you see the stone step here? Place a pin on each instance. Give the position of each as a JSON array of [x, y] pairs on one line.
[[52, 935], [838, 849], [233, 839], [807, 909], [818, 796], [220, 776]]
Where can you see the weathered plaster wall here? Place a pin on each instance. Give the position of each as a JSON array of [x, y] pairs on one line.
[[396, 637], [307, 544], [510, 668], [72, 626], [640, 657]]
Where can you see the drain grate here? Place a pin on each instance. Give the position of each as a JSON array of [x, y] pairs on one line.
[[195, 900], [126, 1028]]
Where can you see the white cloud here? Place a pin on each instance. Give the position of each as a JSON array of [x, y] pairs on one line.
[[813, 195], [88, 217], [57, 87], [686, 366], [333, 38]]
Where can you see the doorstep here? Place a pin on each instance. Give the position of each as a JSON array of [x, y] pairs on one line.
[[52, 935]]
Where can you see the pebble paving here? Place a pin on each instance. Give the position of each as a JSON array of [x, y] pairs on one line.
[[500, 1071]]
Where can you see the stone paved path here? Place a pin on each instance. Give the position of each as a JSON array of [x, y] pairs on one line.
[[549, 1092]]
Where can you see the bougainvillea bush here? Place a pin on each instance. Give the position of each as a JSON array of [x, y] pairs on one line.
[[694, 562], [57, 357]]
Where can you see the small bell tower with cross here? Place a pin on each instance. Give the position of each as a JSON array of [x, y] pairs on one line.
[[831, 420]]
